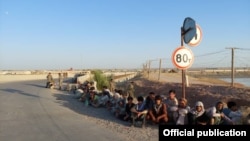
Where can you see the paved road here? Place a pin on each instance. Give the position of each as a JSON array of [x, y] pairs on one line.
[[30, 112]]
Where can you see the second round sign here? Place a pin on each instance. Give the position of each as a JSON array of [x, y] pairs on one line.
[[182, 58]]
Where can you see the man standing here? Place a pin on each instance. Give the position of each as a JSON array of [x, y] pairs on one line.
[[112, 85], [49, 80], [130, 89], [60, 79]]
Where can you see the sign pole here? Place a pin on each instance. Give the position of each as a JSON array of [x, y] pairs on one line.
[[183, 71], [183, 57]]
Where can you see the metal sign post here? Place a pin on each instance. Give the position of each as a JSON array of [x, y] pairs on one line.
[[183, 72], [188, 31], [183, 57]]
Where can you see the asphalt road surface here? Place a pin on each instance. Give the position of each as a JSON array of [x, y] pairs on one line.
[[30, 112]]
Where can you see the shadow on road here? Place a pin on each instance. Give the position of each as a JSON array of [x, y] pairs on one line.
[[101, 113], [74, 104], [14, 91], [40, 86]]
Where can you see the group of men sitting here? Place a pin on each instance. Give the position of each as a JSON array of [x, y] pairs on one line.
[[157, 109]]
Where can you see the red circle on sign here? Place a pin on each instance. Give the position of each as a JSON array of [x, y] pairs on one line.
[[182, 58]]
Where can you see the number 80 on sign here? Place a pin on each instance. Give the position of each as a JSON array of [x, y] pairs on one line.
[[182, 58]]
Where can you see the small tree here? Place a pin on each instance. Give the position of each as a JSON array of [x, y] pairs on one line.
[[100, 79]]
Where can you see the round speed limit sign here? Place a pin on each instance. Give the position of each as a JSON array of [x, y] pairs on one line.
[[182, 58]]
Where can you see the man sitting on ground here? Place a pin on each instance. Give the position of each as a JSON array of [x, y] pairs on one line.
[[128, 114], [216, 115], [139, 112], [158, 114]]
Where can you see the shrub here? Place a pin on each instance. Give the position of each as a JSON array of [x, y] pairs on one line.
[[100, 79]]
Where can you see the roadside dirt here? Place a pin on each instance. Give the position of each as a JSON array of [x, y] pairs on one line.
[[207, 90]]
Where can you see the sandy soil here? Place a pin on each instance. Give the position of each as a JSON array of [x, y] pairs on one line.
[[207, 90]]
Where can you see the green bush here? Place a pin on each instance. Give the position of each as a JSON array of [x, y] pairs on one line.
[[100, 79]]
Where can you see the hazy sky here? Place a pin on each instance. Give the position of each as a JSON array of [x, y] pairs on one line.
[[87, 34]]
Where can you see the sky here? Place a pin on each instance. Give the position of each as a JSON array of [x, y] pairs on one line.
[[118, 34]]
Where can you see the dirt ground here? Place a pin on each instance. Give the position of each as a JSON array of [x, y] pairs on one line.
[[207, 90]]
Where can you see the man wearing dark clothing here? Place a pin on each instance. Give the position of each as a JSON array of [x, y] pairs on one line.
[[128, 108], [50, 80], [150, 100], [158, 114], [139, 112]]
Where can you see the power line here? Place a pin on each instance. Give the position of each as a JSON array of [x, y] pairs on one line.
[[221, 56], [212, 53], [244, 49], [242, 62], [212, 61]]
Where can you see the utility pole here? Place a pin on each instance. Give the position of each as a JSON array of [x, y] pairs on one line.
[[149, 66], [232, 65], [149, 62], [146, 67], [159, 75]]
